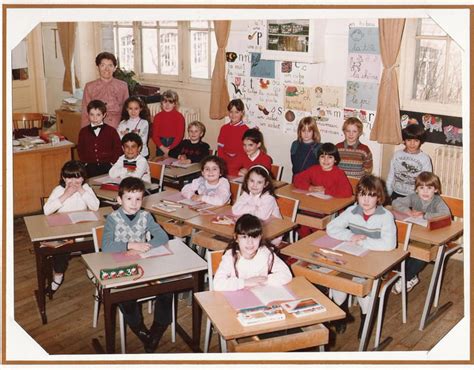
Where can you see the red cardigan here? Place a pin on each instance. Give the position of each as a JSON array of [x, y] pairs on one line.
[[104, 148], [335, 182], [229, 145], [168, 124], [243, 161]]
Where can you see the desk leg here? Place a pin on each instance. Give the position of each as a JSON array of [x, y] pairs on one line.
[[40, 276], [109, 319], [370, 316], [432, 287], [198, 286]]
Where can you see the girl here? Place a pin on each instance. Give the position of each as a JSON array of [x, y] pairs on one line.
[[304, 151], [249, 260], [168, 124], [426, 203], [72, 194], [255, 153], [367, 224], [192, 150], [229, 141], [135, 118], [212, 187]]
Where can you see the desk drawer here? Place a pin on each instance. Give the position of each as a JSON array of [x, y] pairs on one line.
[[334, 279], [310, 336], [314, 222], [174, 227], [423, 252], [209, 241]]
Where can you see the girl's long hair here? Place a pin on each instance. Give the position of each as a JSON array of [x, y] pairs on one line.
[[144, 111], [262, 171]]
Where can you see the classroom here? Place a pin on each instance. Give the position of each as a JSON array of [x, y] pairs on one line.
[[257, 82]]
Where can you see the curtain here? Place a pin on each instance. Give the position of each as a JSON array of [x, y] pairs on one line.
[[219, 93], [386, 129], [67, 40]]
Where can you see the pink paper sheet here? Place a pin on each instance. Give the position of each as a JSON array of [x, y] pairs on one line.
[[58, 219], [326, 242], [242, 298], [174, 197]]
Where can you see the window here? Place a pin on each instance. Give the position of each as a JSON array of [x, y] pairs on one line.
[[431, 69]]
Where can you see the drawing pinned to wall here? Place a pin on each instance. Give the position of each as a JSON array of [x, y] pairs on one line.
[[364, 67], [286, 67], [261, 67], [328, 96], [290, 127], [230, 56], [255, 32], [264, 83], [361, 95], [236, 84], [297, 98], [364, 40], [290, 116], [329, 121]]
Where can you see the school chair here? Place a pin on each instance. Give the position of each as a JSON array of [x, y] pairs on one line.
[[157, 174], [235, 190], [97, 233], [276, 171], [288, 209], [354, 181], [403, 238], [27, 121]]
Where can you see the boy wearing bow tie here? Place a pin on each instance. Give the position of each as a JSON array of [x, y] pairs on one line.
[[99, 144], [131, 163]]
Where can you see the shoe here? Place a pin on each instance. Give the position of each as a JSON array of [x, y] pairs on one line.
[[156, 332], [397, 287], [340, 326], [143, 334], [53, 288]]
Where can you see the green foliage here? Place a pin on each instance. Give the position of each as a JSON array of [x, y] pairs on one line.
[[127, 76]]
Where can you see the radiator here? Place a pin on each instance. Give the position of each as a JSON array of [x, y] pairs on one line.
[[447, 164], [190, 114]]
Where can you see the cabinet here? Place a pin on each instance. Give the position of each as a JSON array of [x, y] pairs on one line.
[[69, 124]]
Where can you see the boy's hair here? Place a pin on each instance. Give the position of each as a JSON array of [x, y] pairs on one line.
[[134, 137], [249, 225], [262, 171], [310, 123], [372, 185], [72, 169], [97, 104], [353, 121], [105, 55], [255, 136], [131, 184], [329, 149], [170, 96], [199, 125], [144, 111], [237, 103], [218, 160], [428, 179], [414, 131]]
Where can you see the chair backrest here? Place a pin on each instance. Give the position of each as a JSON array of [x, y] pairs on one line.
[[455, 205], [27, 120], [97, 233], [213, 261], [288, 207], [354, 181], [276, 171], [403, 233], [235, 189], [157, 173]]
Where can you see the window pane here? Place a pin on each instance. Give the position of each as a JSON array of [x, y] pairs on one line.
[[125, 45], [168, 24], [149, 51], [213, 51], [454, 88], [129, 23], [199, 24], [427, 27], [169, 51], [199, 54]]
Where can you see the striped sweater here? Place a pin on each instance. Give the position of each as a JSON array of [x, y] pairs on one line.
[[356, 160]]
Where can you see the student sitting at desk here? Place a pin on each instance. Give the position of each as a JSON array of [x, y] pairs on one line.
[[250, 260], [367, 224], [126, 229], [192, 150], [72, 194], [131, 163]]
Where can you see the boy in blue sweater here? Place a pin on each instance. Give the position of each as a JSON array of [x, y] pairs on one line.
[[126, 229]]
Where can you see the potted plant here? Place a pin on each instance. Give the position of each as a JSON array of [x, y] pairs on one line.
[[127, 76]]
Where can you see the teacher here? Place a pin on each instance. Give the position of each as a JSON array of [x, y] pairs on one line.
[[111, 91]]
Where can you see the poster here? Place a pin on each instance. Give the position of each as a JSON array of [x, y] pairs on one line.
[[367, 67], [327, 96], [261, 67], [362, 95], [297, 97], [364, 40]]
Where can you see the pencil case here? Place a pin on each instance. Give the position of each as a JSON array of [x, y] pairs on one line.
[[113, 187], [122, 271]]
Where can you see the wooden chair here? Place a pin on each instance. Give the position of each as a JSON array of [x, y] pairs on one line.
[[403, 237], [235, 190], [276, 171], [157, 173], [27, 120], [354, 181], [97, 234], [288, 209]]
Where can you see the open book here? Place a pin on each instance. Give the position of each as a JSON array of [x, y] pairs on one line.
[[303, 307], [61, 219], [320, 195], [257, 296]]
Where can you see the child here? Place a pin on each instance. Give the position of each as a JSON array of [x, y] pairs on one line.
[[126, 230], [254, 153], [408, 163], [304, 151], [131, 163], [98, 144], [249, 260], [356, 158], [367, 224], [212, 187], [72, 194], [426, 203], [192, 150], [229, 141], [168, 124], [135, 118]]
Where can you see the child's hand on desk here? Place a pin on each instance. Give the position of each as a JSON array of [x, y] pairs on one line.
[[357, 239], [318, 189], [255, 281], [197, 198], [139, 247], [414, 213], [183, 159]]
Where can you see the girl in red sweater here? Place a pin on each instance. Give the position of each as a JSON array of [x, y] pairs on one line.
[[255, 153], [168, 124]]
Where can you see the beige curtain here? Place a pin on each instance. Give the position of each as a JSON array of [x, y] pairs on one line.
[[386, 128], [67, 39], [219, 93]]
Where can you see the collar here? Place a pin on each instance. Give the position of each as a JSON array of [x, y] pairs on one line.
[[257, 153], [346, 145], [236, 124], [359, 211]]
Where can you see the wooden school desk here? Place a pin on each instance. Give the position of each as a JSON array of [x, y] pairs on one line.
[[39, 231], [312, 204], [224, 319], [183, 262], [111, 195], [432, 249], [176, 176], [371, 266]]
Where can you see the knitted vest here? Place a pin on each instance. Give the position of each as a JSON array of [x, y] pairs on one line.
[[126, 232]]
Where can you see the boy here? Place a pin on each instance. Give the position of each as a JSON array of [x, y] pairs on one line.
[[192, 150], [408, 163], [356, 158], [98, 144], [131, 163], [126, 230]]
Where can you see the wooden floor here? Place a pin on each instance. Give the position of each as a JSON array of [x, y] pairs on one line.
[[69, 329]]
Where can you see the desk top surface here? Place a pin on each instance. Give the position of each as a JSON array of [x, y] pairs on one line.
[[313, 204], [224, 316], [39, 230], [438, 236], [180, 214], [372, 265], [48, 147], [178, 172], [183, 260]]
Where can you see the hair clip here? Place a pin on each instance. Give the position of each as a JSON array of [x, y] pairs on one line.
[[260, 166]]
